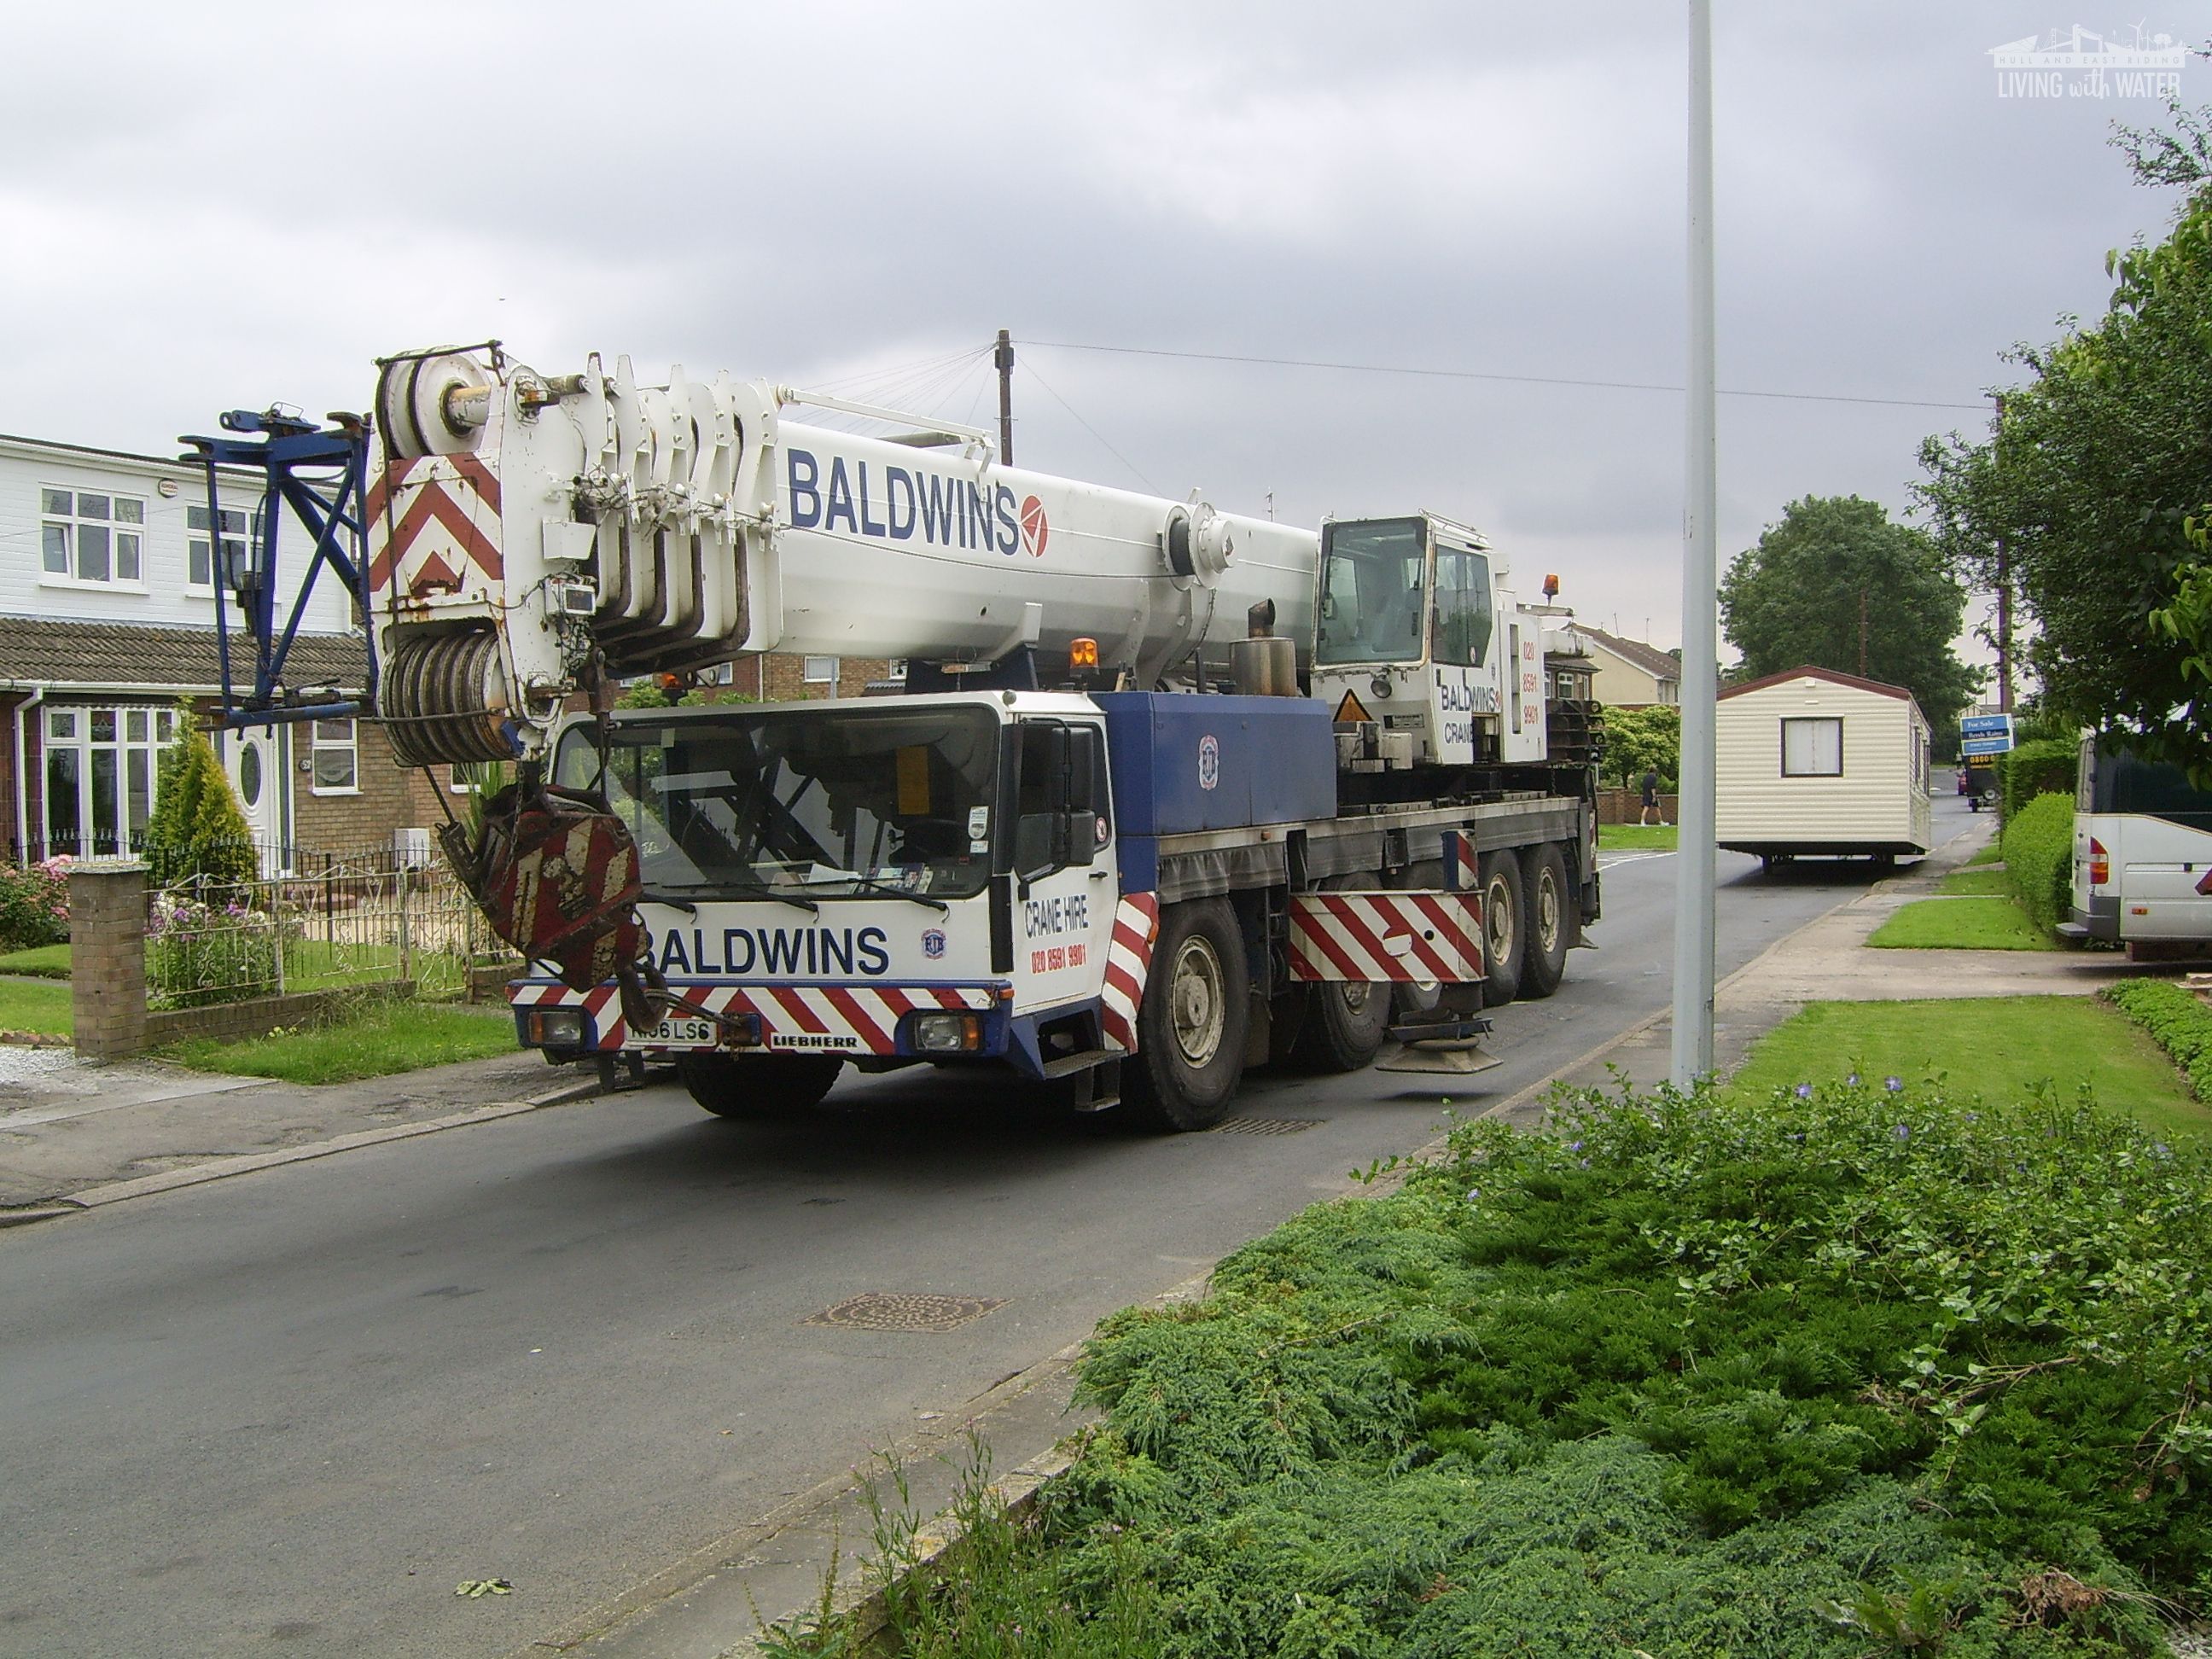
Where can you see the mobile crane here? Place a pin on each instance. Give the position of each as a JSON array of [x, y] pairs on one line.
[[1168, 790]]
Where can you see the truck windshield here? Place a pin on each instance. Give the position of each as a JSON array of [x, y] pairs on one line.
[[1372, 599], [804, 805]]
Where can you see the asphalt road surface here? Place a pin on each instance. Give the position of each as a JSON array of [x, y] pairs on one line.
[[291, 1411]]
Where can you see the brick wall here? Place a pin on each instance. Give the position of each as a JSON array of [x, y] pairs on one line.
[[108, 959], [778, 677], [1627, 805], [390, 796], [257, 1016]]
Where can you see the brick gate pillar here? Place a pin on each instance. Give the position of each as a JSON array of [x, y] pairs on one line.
[[108, 959]]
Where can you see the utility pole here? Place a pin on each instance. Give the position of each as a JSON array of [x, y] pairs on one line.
[[1862, 632], [2004, 591], [1004, 357], [1692, 1055]]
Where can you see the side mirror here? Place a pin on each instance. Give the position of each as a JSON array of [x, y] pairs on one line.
[[1079, 840]]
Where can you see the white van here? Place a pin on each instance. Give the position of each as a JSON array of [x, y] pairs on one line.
[[2142, 851]]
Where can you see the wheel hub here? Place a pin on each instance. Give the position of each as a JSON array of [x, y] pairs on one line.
[[1198, 1001]]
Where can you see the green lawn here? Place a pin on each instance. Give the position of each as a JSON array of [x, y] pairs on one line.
[[1974, 882], [1992, 854], [40, 962], [1996, 1047], [382, 1039], [1962, 924], [42, 1008], [1616, 837]]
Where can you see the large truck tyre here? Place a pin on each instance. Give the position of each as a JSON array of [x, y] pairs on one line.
[[1549, 920], [758, 1085], [1347, 1022], [1192, 1025], [1504, 926]]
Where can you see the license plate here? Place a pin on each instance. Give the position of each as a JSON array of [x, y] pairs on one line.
[[686, 1032]]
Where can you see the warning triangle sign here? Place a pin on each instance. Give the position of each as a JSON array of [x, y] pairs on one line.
[[1351, 710]]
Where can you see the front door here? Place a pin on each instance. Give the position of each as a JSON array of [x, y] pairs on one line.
[[253, 759]]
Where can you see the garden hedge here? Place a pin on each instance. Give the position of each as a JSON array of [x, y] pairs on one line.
[[2039, 858], [2042, 767]]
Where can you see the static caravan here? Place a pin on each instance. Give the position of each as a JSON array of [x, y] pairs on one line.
[[1812, 762]]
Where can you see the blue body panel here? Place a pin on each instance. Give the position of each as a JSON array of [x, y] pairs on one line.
[[1182, 762]]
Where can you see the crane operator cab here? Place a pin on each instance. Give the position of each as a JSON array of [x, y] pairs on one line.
[[1424, 660]]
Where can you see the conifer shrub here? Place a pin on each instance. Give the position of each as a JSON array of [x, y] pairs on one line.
[[196, 837], [1862, 1370]]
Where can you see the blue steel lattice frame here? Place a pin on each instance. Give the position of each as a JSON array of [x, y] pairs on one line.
[[329, 504]]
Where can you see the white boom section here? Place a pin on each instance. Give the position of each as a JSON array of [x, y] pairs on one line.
[[520, 521]]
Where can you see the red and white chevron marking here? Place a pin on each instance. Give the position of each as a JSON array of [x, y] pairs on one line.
[[1387, 937], [1128, 965], [432, 520], [1462, 868], [857, 1020]]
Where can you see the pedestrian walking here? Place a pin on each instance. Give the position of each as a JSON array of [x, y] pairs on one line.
[[1650, 796]]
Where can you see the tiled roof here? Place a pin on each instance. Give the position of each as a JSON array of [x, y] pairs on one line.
[[1651, 658], [48, 651], [1834, 677]]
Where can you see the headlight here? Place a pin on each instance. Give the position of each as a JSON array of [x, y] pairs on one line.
[[553, 1028], [947, 1034]]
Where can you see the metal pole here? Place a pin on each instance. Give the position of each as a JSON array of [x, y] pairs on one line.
[[2004, 591], [1693, 865], [1004, 357]]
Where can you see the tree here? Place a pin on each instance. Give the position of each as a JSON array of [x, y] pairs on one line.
[[1640, 740], [198, 833], [2096, 479], [1836, 584]]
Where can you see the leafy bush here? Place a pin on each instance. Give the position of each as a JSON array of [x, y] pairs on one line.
[[2038, 856], [33, 903], [2177, 1022], [1801, 1375], [1640, 740], [198, 833], [199, 953], [2042, 767]]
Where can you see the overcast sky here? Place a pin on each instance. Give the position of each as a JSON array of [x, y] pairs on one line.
[[213, 207]]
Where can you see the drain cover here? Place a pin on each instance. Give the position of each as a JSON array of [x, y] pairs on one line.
[[1264, 1126], [907, 1310]]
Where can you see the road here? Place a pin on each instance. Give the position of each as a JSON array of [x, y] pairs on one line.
[[291, 1411]]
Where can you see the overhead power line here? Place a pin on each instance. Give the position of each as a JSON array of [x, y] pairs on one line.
[[1479, 374]]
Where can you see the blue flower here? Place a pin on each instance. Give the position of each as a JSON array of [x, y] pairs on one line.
[[1574, 1145], [1473, 1194], [1902, 1133], [1852, 1081], [1804, 1091], [1892, 1084]]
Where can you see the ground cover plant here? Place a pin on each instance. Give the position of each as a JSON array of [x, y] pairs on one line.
[[370, 1037], [1837, 1370], [1964, 923], [2176, 1020]]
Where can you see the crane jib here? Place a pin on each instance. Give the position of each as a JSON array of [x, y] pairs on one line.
[[946, 511]]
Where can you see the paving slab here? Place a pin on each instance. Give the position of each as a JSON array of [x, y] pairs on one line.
[[69, 1126]]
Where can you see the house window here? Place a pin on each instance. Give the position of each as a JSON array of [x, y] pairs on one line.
[[820, 671], [88, 536], [199, 551], [1811, 749], [334, 758], [477, 777], [100, 765]]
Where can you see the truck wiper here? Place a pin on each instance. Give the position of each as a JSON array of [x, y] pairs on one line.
[[738, 889], [885, 887]]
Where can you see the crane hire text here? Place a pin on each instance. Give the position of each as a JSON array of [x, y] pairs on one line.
[[947, 511]]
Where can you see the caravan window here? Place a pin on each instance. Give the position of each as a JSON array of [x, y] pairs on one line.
[[1812, 748]]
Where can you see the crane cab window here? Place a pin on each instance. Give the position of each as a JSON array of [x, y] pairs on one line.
[[1373, 591], [1464, 614]]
